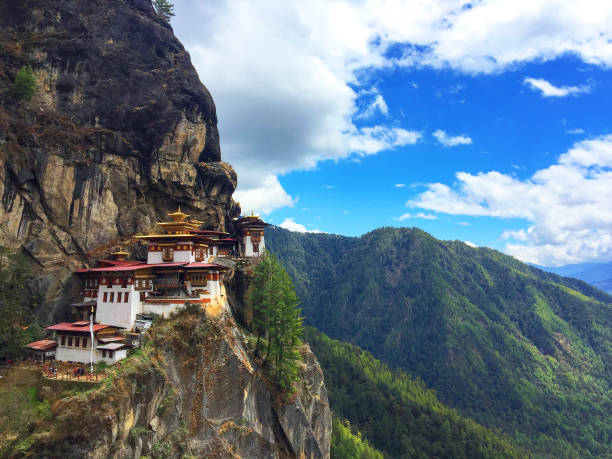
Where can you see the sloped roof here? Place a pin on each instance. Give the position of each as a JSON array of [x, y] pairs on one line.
[[42, 345]]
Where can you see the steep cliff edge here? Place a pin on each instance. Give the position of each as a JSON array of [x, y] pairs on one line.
[[119, 132], [193, 389]]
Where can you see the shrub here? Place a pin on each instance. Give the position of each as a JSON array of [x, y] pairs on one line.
[[24, 85]]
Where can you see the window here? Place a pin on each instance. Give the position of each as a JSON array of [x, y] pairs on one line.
[[212, 250], [84, 344], [63, 340], [103, 353], [124, 282], [126, 295], [112, 297], [198, 279], [110, 354], [168, 254], [199, 254], [255, 247], [105, 297], [70, 341]]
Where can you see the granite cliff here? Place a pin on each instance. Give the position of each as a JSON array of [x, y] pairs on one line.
[[119, 132], [192, 390]]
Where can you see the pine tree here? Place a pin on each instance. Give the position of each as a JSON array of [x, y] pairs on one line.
[[164, 9], [277, 320], [24, 85]]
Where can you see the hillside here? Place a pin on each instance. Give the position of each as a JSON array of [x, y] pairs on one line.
[[509, 345], [396, 413]]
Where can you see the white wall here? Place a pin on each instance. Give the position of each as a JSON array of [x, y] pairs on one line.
[[117, 355], [154, 258], [116, 313], [248, 247], [183, 256], [73, 354]]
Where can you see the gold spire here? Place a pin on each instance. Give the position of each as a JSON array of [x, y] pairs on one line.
[[178, 216]]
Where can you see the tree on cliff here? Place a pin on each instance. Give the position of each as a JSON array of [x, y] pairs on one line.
[[24, 85], [164, 9], [277, 319], [18, 325]]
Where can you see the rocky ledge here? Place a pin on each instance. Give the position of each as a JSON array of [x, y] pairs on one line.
[[193, 389]]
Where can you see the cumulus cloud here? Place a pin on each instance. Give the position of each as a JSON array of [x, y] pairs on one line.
[[546, 89], [291, 225], [288, 82], [471, 244], [451, 141], [567, 205], [422, 215]]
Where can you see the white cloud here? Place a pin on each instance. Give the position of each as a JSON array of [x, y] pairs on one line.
[[291, 225], [400, 185], [548, 90], [287, 81], [346, 212], [422, 215], [451, 141], [471, 244], [377, 105], [574, 131], [567, 204], [264, 196]]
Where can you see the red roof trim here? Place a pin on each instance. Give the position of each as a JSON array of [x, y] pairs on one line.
[[67, 326], [42, 345]]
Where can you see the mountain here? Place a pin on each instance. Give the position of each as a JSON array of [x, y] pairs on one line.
[[120, 132], [509, 345], [396, 413], [597, 274]]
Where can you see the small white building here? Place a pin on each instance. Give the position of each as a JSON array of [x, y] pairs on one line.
[[74, 343], [251, 233]]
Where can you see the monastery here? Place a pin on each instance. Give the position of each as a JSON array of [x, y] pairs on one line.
[[121, 296]]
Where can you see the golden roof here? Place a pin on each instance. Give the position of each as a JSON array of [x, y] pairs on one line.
[[178, 216]]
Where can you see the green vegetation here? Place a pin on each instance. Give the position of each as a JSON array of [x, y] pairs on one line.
[[25, 403], [277, 321], [17, 306], [348, 445], [398, 414], [24, 85], [508, 345], [164, 9]]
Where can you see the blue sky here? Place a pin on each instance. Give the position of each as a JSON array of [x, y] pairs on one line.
[[486, 122]]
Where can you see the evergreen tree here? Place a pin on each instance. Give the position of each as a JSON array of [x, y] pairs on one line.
[[277, 320], [164, 9], [24, 85], [18, 326]]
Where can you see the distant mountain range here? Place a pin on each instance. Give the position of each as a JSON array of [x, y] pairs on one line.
[[597, 274], [511, 346]]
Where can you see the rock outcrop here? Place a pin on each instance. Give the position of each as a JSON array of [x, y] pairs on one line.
[[193, 390], [120, 132]]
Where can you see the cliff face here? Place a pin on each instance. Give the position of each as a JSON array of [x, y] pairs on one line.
[[119, 132], [192, 390]]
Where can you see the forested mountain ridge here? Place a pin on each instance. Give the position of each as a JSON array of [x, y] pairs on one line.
[[396, 413], [505, 343]]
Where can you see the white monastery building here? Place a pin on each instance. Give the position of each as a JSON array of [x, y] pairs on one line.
[[179, 270]]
